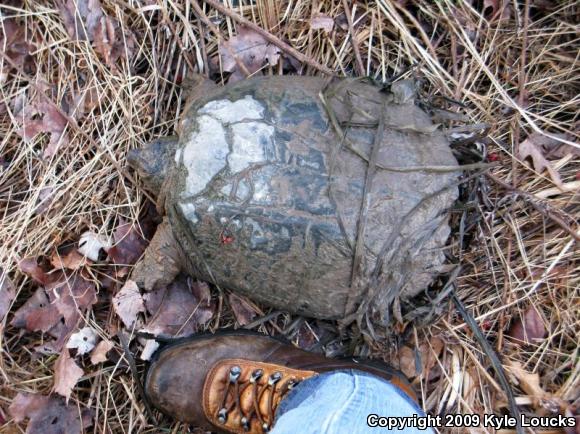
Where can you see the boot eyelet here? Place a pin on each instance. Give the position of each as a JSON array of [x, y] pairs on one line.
[[274, 378], [235, 372], [256, 375], [222, 416], [245, 424]]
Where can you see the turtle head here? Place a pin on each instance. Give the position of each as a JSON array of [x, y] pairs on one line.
[[153, 162]]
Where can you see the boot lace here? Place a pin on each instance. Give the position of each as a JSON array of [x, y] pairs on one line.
[[272, 386]]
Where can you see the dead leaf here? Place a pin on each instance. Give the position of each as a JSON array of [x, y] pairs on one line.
[[83, 341], [248, 48], [128, 303], [57, 307], [407, 361], [72, 260], [45, 198], [129, 245], [531, 147], [243, 310], [30, 267], [308, 336], [40, 116], [74, 296], [66, 374], [528, 329], [323, 22], [91, 245], [49, 415], [103, 31], [36, 314], [553, 148], [16, 46], [420, 360], [7, 294], [491, 8], [185, 306], [528, 382], [99, 354], [84, 102]]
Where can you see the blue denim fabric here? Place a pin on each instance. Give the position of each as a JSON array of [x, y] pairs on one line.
[[340, 402]]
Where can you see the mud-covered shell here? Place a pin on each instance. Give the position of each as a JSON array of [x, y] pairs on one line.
[[265, 193]]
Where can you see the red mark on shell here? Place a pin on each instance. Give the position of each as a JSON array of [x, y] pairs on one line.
[[226, 238]]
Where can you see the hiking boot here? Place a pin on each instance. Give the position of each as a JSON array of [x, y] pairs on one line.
[[234, 381]]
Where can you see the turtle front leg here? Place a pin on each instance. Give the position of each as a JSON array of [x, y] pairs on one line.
[[161, 262]]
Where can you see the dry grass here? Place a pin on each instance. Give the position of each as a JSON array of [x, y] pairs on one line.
[[517, 72]]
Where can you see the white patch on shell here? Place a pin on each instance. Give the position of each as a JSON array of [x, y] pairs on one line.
[[202, 165], [226, 190], [243, 190], [228, 112], [188, 210], [252, 141], [178, 156]]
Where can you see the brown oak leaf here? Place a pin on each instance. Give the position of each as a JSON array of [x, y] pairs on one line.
[[129, 244], [37, 313], [179, 309], [16, 46], [529, 328], [99, 353], [248, 48], [40, 116], [243, 310], [72, 260], [86, 20], [420, 360], [532, 147], [57, 307], [491, 9], [49, 415], [529, 382], [66, 374], [30, 267], [323, 22], [128, 303]]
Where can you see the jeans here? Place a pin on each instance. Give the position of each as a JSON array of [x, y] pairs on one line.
[[340, 402]]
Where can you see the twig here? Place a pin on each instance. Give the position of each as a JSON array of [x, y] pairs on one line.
[[521, 87], [532, 200], [269, 37], [353, 41], [494, 359], [216, 31], [185, 53], [135, 373], [436, 169], [364, 206], [263, 319]]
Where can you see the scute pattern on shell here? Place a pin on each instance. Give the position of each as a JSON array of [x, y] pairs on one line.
[[260, 162]]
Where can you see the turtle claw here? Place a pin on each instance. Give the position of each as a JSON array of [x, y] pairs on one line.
[[161, 262]]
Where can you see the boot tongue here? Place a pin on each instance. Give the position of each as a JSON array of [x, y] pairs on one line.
[[241, 396]]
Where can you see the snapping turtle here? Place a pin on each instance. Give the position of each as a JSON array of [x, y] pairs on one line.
[[307, 195]]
